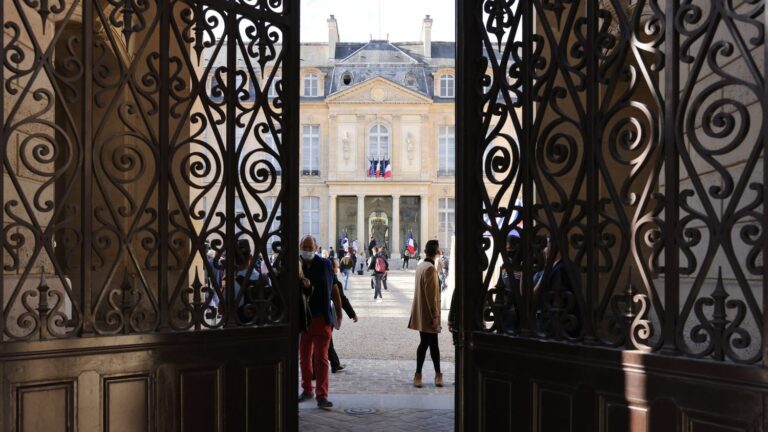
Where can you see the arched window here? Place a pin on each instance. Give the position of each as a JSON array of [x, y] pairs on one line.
[[447, 86], [310, 85], [346, 78], [378, 143]]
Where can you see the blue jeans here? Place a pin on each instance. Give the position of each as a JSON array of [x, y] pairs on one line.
[[346, 274]]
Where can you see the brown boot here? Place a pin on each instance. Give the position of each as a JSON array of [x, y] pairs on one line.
[[439, 380], [417, 381]]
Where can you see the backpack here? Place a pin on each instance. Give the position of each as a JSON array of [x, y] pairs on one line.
[[346, 263], [381, 265]]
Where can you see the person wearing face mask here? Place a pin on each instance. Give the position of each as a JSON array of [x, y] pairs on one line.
[[317, 338], [425, 312]]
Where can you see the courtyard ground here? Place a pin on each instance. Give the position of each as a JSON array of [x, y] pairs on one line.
[[374, 390]]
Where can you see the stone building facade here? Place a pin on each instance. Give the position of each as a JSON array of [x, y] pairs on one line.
[[367, 107], [378, 140]]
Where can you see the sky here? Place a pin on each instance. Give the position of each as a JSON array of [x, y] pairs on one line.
[[359, 20]]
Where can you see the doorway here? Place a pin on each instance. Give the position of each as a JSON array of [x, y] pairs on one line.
[[384, 111]]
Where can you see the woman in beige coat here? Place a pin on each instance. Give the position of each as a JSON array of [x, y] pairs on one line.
[[425, 312]]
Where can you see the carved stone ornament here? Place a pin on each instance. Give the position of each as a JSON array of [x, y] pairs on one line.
[[409, 146], [378, 94], [345, 147]]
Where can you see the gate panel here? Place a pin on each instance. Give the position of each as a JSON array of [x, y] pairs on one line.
[[142, 202], [612, 181]]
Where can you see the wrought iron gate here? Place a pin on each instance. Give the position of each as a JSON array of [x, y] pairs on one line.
[[612, 181], [142, 151]]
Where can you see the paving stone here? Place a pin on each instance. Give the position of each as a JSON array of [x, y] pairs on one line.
[[379, 354]]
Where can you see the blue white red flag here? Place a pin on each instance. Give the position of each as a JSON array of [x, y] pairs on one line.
[[409, 243], [372, 168], [388, 169], [344, 242]]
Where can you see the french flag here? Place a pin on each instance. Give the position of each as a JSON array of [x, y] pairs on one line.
[[372, 168], [378, 168], [409, 243], [345, 242], [388, 169]]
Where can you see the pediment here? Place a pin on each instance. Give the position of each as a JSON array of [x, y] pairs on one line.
[[378, 90]]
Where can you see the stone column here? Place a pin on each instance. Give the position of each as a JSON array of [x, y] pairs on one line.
[[424, 222], [394, 236], [361, 240], [332, 240]]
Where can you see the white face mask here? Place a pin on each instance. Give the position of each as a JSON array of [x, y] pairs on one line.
[[306, 255]]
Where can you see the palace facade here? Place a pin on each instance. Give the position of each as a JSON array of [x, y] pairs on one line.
[[377, 138]]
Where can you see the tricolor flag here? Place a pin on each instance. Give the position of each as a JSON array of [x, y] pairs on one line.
[[378, 168], [372, 168], [344, 242], [409, 243], [388, 169]]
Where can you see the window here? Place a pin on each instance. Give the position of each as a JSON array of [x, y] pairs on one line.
[[410, 79], [273, 87], [446, 86], [311, 149], [310, 85], [270, 141], [310, 217], [446, 221], [378, 143], [446, 160], [346, 78], [239, 209], [270, 203], [239, 132]]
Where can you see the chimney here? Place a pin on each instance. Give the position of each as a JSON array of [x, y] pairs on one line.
[[426, 36], [333, 36]]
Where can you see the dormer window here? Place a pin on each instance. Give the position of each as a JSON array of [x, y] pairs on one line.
[[346, 78], [410, 79], [311, 82], [447, 86]]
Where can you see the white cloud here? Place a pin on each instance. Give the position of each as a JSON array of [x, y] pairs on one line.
[[361, 19]]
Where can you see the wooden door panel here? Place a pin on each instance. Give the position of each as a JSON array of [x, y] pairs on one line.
[[192, 382], [611, 181], [127, 402], [641, 393]]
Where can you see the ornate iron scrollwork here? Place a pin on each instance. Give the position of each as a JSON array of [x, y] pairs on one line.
[[625, 135], [133, 130]]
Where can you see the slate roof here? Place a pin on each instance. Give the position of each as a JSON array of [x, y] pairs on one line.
[[402, 63]]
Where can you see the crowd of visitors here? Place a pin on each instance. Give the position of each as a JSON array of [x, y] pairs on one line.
[[324, 277]]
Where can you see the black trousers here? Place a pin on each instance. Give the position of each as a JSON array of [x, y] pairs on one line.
[[333, 357], [428, 340]]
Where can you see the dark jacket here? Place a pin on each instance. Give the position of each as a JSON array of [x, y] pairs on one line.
[[319, 271], [557, 303], [344, 300]]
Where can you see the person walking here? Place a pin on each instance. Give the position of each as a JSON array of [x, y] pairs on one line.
[[347, 307], [346, 265], [425, 312], [379, 265], [317, 338], [372, 245], [406, 258], [331, 253]]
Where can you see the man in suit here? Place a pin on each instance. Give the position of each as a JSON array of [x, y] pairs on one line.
[[317, 338]]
